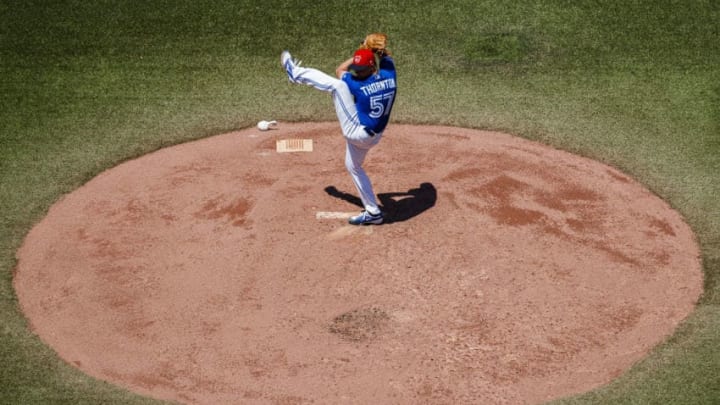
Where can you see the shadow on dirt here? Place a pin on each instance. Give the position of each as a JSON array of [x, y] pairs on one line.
[[399, 206]]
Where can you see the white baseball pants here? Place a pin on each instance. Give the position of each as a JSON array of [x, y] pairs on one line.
[[358, 141]]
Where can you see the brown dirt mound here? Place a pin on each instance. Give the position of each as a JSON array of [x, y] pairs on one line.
[[508, 271]]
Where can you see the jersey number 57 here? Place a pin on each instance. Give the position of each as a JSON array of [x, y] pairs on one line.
[[381, 104]]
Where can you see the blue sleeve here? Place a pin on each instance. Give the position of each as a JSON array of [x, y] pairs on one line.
[[387, 63]]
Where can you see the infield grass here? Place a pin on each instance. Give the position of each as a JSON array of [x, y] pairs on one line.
[[635, 84]]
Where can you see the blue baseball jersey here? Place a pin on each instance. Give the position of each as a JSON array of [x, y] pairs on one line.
[[375, 95]]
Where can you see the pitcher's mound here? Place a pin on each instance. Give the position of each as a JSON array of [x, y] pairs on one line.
[[507, 271]]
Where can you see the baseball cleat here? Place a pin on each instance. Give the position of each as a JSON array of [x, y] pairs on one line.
[[366, 218], [289, 64]]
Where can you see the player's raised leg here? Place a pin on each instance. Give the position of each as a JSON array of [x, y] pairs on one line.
[[342, 98], [310, 76]]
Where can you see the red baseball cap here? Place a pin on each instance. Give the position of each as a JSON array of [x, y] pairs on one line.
[[363, 59]]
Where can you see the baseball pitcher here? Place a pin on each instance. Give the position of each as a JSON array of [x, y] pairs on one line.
[[363, 91]]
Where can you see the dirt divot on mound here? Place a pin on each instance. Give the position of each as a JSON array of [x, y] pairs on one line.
[[507, 271], [360, 324]]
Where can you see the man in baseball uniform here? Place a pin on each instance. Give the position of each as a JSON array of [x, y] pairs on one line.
[[363, 91]]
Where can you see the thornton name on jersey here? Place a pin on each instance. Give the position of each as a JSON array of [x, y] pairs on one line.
[[378, 86]]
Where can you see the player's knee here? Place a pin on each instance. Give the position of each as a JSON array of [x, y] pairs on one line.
[[352, 166]]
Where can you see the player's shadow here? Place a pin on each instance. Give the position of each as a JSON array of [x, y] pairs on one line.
[[399, 206]]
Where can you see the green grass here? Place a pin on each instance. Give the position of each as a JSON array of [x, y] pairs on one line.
[[635, 84]]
